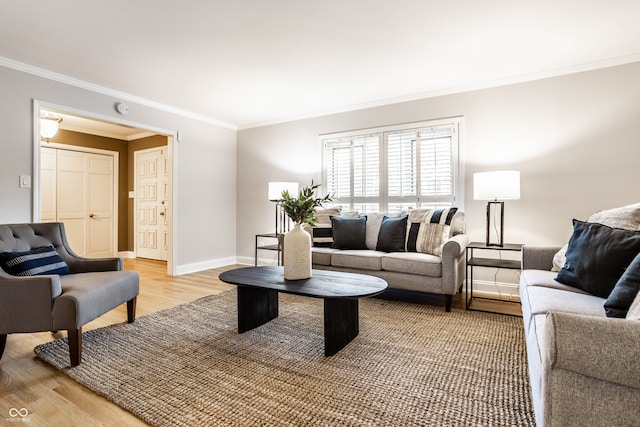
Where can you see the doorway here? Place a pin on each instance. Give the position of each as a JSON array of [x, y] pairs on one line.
[[133, 136]]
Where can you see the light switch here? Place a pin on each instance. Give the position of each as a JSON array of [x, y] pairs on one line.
[[25, 181]]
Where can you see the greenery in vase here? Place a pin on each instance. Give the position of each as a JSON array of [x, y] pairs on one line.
[[302, 209]]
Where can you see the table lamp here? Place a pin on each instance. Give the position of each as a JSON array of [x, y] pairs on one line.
[[496, 186]]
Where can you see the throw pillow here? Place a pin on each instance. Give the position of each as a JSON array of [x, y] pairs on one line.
[[626, 217], [321, 232], [36, 262], [374, 220], [428, 229], [349, 233], [597, 256], [625, 291], [322, 236], [634, 310], [392, 234]]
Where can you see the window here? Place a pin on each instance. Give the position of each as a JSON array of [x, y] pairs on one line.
[[393, 168]]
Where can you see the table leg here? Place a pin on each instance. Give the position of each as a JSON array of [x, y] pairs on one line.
[[341, 323], [255, 307]]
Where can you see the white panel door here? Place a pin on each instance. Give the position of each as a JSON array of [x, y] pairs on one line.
[[85, 202], [48, 184], [151, 203]]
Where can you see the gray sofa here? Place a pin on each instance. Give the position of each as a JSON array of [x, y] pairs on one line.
[[67, 300], [406, 271], [584, 367]]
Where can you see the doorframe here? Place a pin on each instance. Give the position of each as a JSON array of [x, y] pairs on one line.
[[172, 137], [116, 168]]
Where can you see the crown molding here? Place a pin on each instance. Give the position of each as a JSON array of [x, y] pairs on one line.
[[556, 72], [61, 78]]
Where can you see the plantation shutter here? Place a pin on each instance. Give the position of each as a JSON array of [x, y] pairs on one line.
[[394, 168], [437, 166]]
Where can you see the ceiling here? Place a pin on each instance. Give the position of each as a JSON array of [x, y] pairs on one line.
[[251, 62]]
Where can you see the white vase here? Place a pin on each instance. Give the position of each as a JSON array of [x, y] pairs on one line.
[[297, 254]]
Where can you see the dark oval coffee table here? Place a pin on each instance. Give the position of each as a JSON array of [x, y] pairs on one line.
[[258, 289]]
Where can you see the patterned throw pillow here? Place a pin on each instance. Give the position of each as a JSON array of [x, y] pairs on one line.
[[36, 262], [321, 233], [428, 229]]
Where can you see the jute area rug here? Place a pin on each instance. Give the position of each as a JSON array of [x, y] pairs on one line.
[[411, 365]]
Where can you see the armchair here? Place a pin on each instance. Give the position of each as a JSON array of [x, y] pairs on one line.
[[56, 302]]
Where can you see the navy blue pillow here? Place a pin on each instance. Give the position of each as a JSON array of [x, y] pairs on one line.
[[392, 234], [36, 262], [349, 233], [625, 291], [597, 256]]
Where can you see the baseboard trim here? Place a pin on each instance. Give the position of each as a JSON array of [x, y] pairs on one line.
[[205, 265], [498, 290]]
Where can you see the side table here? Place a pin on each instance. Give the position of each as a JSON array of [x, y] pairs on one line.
[[472, 260], [270, 246]]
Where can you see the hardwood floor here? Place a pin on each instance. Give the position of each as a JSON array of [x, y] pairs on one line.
[[53, 399], [50, 397]]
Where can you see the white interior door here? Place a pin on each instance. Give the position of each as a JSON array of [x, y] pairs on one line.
[[151, 203], [85, 200], [48, 170]]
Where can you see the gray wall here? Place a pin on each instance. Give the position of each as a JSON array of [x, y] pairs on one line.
[[575, 139], [206, 164]]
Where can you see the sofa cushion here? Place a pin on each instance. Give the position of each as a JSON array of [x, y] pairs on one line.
[[364, 259], [546, 279], [428, 229], [542, 300], [35, 262], [625, 291], [391, 236], [626, 217], [349, 233], [597, 256], [413, 263], [322, 255]]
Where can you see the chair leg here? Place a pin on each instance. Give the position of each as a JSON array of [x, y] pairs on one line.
[[131, 310], [75, 345], [3, 342]]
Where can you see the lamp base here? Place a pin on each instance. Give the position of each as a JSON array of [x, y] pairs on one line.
[[492, 223]]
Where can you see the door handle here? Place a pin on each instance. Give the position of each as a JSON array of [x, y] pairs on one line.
[[91, 215], [161, 213]]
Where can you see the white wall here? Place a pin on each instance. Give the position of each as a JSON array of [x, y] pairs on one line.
[[575, 139], [206, 164]]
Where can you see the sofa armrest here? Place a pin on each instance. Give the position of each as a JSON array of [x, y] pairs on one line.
[[453, 263], [26, 302], [538, 257], [597, 347], [79, 264]]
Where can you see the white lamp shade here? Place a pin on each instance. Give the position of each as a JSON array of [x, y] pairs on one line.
[[496, 185], [276, 189], [49, 127]]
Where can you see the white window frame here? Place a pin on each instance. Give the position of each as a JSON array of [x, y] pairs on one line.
[[383, 199]]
